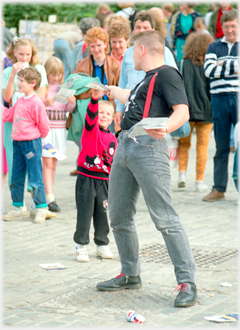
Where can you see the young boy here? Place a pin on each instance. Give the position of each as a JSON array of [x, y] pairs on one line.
[[30, 123], [94, 165]]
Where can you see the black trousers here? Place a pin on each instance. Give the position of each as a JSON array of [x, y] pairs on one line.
[[91, 200]]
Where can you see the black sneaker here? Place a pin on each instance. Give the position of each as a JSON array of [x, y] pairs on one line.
[[121, 282], [187, 295], [53, 207]]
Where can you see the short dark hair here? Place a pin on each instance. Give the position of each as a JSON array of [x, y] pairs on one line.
[[87, 23], [30, 74], [229, 15], [143, 16]]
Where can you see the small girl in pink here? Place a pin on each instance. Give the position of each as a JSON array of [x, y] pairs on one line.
[[56, 112]]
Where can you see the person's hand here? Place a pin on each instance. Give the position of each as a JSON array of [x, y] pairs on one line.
[[118, 118], [71, 99], [97, 94], [49, 101], [110, 92], [16, 67], [157, 133]]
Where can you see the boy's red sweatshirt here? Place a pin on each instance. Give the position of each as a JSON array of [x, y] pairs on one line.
[[98, 146]]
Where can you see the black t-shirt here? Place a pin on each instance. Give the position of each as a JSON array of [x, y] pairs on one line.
[[168, 90]]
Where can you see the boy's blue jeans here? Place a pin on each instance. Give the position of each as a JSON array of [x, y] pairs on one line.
[[27, 159], [144, 164]]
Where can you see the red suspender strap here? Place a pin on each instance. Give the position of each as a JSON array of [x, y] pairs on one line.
[[149, 96]]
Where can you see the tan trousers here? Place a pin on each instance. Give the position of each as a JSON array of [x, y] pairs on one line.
[[203, 136]]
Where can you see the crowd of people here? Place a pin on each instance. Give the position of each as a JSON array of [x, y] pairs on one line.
[[163, 62]]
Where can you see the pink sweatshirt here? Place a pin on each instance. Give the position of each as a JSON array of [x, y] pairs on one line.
[[29, 118], [57, 111]]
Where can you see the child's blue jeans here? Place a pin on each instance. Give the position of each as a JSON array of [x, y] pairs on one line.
[[27, 159]]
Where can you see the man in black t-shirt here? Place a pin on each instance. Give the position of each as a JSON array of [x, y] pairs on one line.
[[142, 162]]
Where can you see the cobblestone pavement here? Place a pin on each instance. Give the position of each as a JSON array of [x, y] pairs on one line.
[[35, 297]]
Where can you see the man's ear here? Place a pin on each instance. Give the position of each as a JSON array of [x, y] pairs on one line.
[[142, 50]]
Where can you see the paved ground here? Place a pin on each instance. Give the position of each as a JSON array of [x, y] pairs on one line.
[[68, 298]]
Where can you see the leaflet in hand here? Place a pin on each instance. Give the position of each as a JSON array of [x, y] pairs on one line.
[[97, 85], [63, 95], [55, 152], [148, 123]]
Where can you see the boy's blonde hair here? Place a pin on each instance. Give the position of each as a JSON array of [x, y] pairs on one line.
[[107, 103], [54, 65], [30, 74], [16, 43]]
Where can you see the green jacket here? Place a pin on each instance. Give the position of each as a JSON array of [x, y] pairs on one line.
[[78, 120]]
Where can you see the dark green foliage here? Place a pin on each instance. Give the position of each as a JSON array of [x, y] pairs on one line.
[[13, 12]]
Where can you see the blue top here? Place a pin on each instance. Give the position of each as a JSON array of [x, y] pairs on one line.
[[99, 72]]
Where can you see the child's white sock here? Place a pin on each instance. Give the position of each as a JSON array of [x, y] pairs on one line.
[[17, 208], [79, 246], [33, 206]]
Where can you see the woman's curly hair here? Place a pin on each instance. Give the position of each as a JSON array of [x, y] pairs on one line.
[[196, 47], [97, 33]]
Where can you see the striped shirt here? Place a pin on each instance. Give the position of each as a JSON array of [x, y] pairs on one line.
[[222, 67]]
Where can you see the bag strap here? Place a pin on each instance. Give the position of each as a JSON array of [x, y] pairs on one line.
[[149, 96]]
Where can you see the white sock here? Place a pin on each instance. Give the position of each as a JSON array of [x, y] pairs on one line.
[[49, 198], [33, 206], [17, 208]]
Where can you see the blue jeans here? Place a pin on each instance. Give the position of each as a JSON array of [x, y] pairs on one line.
[[145, 165], [27, 159], [63, 51], [224, 113]]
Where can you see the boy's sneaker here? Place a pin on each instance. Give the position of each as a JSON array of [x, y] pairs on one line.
[[12, 215], [81, 253], [49, 214], [104, 252], [200, 186], [40, 215], [182, 180], [23, 210], [53, 207]]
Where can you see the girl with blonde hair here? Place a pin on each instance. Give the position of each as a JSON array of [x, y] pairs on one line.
[[56, 112]]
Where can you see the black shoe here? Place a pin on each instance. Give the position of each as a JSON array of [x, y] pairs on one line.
[[121, 282], [187, 295], [53, 207]]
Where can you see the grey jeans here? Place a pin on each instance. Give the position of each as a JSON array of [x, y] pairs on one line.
[[144, 164]]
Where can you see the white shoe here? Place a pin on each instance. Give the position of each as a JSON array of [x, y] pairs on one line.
[[200, 186], [23, 210], [40, 215], [49, 214], [104, 252], [81, 254], [12, 215], [182, 180]]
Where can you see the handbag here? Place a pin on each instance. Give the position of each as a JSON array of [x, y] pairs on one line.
[[185, 129], [69, 121]]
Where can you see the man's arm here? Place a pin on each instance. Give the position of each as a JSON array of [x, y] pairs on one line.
[[215, 69], [118, 93], [179, 116]]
